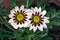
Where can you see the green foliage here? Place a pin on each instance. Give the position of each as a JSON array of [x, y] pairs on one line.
[[27, 3], [42, 3], [24, 33], [3, 11], [54, 16], [12, 3]]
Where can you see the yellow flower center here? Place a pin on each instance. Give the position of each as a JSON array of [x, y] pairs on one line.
[[20, 17], [36, 19]]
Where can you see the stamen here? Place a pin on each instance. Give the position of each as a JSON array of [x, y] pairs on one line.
[[23, 22], [31, 22], [38, 24], [40, 15], [17, 23], [35, 12], [14, 13], [42, 20], [17, 11], [30, 19], [35, 25], [13, 16], [13, 19], [21, 11], [32, 14], [25, 14], [24, 19], [41, 23]]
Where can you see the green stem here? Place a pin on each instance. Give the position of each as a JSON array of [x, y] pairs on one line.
[[44, 35], [27, 4], [54, 15]]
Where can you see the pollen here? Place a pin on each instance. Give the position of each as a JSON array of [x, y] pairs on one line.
[[36, 19], [20, 17]]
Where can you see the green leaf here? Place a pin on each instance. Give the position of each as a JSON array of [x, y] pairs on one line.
[[54, 16], [13, 3], [3, 11], [27, 3]]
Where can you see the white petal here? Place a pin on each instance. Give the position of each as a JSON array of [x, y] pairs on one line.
[[46, 20], [44, 12], [13, 24], [40, 28], [28, 17], [28, 21], [36, 8], [39, 9], [16, 8], [33, 10], [31, 27], [20, 25], [34, 29], [11, 15], [12, 11], [28, 12], [22, 7], [26, 24], [11, 20], [15, 27], [46, 17], [44, 25]]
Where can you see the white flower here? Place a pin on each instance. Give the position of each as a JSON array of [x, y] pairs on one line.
[[19, 17], [38, 19]]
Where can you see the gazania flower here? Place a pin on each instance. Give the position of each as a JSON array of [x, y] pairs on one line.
[[19, 17], [38, 19]]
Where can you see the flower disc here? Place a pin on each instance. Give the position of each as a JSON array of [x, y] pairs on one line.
[[20, 17], [36, 19]]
